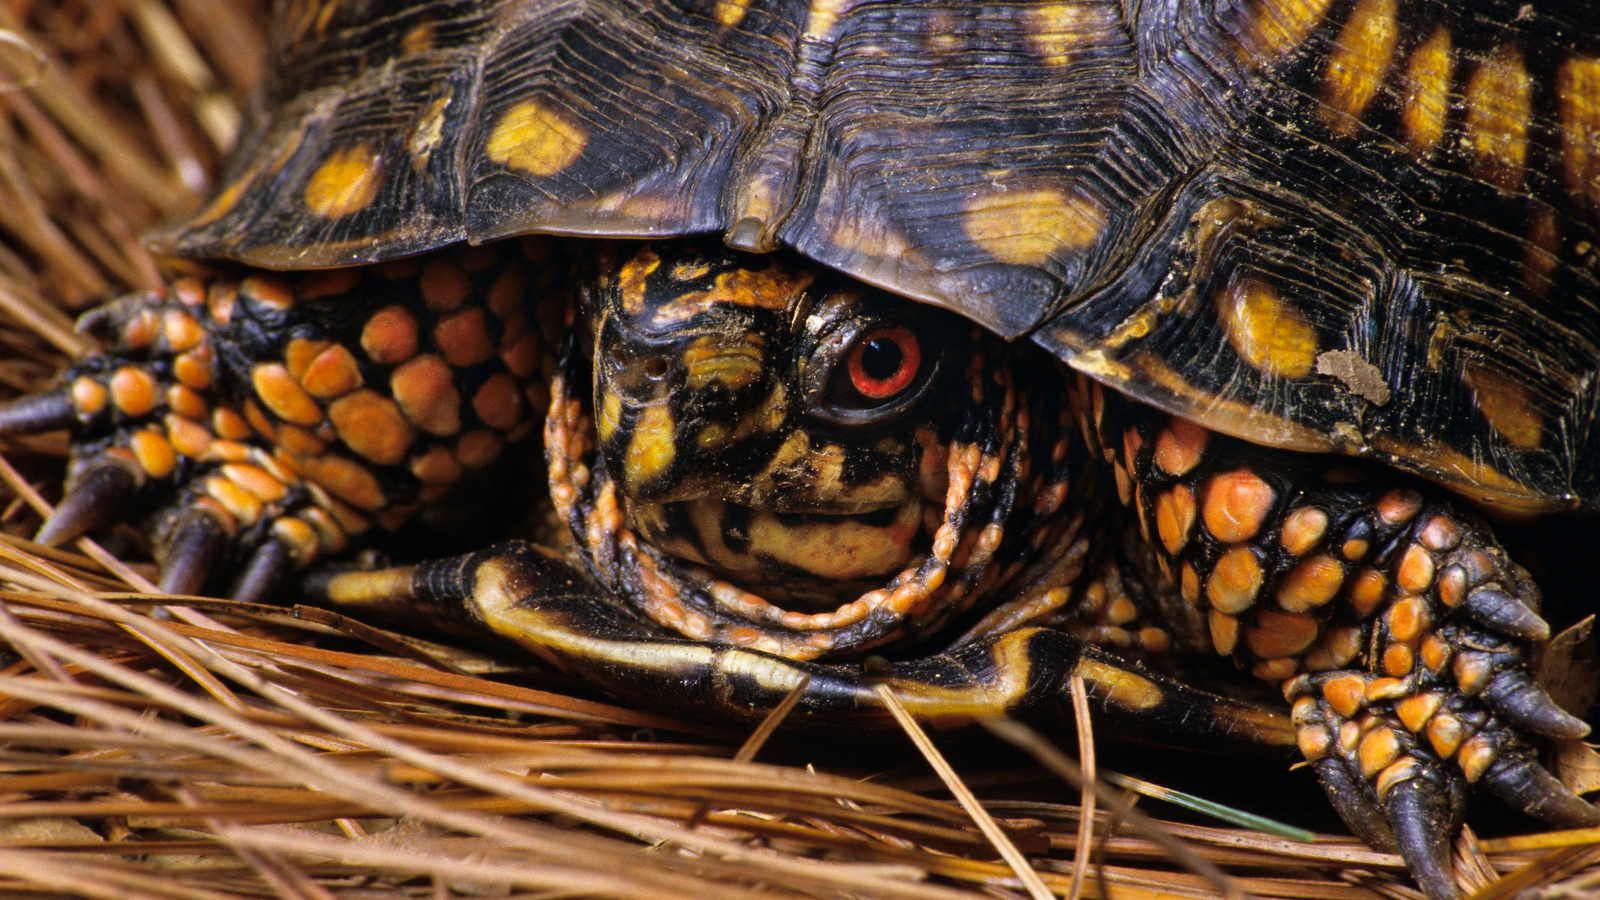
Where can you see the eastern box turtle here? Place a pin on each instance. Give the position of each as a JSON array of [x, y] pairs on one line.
[[1266, 303]]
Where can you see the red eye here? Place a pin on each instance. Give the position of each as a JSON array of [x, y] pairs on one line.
[[883, 363]]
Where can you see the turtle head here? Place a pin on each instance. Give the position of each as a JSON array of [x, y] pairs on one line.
[[757, 412]]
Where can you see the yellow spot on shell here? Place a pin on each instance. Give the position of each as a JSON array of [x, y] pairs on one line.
[[1059, 31], [1267, 333], [347, 182], [418, 40], [1427, 91], [1578, 94], [1027, 226], [651, 451], [729, 13], [1357, 64], [1507, 406], [1277, 27], [1499, 97], [536, 138]]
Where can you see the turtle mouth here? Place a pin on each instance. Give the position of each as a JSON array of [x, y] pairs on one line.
[[809, 561]]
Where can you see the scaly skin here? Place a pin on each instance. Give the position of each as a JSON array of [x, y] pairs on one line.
[[792, 471]]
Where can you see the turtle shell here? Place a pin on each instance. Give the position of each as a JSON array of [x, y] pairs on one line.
[[1362, 226]]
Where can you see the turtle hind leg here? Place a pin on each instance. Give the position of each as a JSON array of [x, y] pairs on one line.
[[1390, 616]]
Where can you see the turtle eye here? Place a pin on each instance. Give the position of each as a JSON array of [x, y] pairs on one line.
[[884, 362], [870, 375]]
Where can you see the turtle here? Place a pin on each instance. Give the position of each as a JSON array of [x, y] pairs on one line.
[[963, 348]]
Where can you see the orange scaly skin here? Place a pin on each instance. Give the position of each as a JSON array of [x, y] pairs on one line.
[[761, 457], [1392, 619], [278, 417]]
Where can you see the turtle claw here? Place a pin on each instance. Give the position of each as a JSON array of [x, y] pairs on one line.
[[1423, 815], [1515, 694], [1519, 780], [1501, 613], [50, 411], [100, 492], [191, 548], [271, 563]]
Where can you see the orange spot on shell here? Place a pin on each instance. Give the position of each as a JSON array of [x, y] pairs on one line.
[[1276, 27], [390, 336], [372, 425], [347, 181], [1235, 505], [425, 390], [537, 138], [1498, 98], [285, 398], [1507, 406], [1026, 225], [1357, 64], [1426, 92], [1268, 334]]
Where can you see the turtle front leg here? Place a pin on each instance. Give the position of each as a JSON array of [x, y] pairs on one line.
[[1390, 615], [252, 421], [529, 596]]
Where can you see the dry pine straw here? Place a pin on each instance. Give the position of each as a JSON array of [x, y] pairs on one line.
[[231, 753]]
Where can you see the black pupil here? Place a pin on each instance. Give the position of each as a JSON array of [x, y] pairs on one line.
[[881, 358]]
